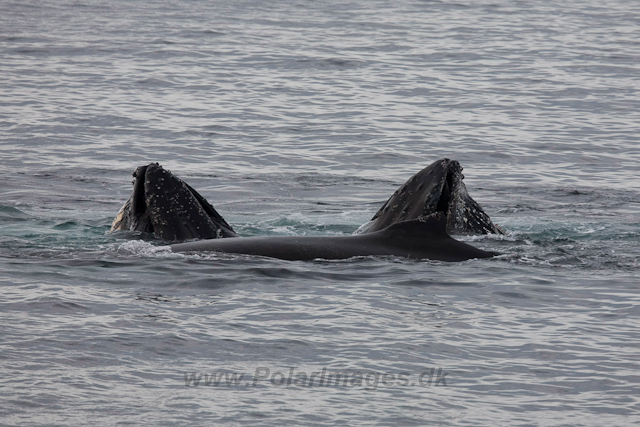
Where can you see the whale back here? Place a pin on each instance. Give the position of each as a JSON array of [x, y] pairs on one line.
[[422, 238], [427, 238]]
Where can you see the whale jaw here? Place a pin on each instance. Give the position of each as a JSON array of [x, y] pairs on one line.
[[436, 188], [164, 205]]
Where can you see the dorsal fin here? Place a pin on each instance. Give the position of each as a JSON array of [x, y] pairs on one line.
[[434, 225]]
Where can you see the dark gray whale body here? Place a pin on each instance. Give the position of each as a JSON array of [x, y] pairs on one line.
[[424, 238], [413, 223], [167, 207], [436, 188]]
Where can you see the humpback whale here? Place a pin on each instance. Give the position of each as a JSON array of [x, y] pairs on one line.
[[416, 221], [436, 188]]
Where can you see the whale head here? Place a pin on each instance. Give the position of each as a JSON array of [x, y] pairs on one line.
[[436, 188], [164, 205]]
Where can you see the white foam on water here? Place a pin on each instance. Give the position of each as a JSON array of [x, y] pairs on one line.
[[146, 249]]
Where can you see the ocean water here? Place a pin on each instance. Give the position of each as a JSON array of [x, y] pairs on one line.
[[301, 118]]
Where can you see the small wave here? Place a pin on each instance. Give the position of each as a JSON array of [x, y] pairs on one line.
[[67, 225], [511, 237], [12, 213], [142, 248]]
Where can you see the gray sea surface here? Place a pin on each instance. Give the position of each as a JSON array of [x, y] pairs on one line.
[[302, 118]]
